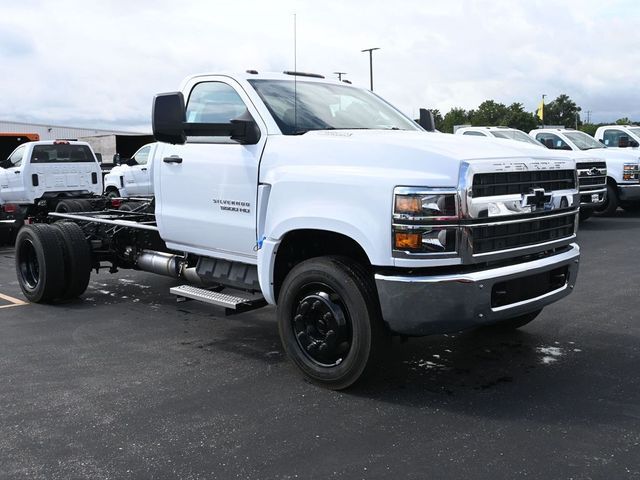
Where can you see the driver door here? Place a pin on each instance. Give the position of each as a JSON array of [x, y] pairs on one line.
[[12, 186], [208, 187]]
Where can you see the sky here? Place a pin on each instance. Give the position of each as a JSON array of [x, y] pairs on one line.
[[99, 64]]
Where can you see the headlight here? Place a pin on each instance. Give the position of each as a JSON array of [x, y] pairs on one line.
[[418, 213], [440, 205], [630, 171]]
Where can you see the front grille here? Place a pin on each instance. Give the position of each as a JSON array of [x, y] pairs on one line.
[[493, 238], [509, 183], [592, 174], [590, 181]]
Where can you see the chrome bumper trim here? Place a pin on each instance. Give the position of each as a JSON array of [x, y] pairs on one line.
[[423, 305]]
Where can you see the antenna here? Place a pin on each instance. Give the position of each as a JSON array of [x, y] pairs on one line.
[[295, 77]]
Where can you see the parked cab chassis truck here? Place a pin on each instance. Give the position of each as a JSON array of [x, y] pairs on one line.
[[323, 199]]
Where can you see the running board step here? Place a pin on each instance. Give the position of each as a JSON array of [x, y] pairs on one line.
[[231, 303]]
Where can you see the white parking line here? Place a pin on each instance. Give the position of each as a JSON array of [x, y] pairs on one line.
[[13, 302]]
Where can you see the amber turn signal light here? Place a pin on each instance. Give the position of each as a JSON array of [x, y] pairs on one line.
[[408, 240]]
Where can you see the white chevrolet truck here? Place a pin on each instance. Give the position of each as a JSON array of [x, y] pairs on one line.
[[133, 177], [592, 168], [45, 176], [621, 174], [324, 200]]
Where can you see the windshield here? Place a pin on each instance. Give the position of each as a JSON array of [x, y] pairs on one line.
[[635, 131], [61, 153], [515, 135], [583, 141], [324, 106]]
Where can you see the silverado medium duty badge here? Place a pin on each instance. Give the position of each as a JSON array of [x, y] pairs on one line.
[[233, 205]]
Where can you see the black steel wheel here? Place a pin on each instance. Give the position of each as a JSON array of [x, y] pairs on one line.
[[112, 193], [39, 263], [329, 321], [77, 259]]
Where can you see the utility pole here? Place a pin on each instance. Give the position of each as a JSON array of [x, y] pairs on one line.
[[588, 116], [543, 96], [339, 75], [370, 50]]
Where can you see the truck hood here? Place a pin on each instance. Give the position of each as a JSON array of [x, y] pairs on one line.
[[394, 157]]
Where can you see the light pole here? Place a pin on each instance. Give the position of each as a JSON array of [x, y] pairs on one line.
[[543, 95], [370, 50], [339, 75]]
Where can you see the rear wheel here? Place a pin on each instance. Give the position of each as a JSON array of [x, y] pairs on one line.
[[329, 321], [40, 265], [77, 258], [611, 203], [112, 193]]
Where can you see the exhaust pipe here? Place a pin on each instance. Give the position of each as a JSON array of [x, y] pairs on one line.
[[167, 264]]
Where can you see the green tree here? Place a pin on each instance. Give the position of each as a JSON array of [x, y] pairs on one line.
[[516, 117], [562, 111], [589, 128], [489, 113], [455, 116], [624, 121], [437, 118]]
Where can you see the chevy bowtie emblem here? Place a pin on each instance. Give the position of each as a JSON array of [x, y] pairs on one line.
[[593, 171], [537, 199]]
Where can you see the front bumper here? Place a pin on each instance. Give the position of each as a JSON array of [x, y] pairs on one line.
[[592, 198], [629, 193], [424, 305]]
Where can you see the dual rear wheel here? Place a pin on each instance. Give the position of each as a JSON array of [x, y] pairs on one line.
[[53, 262]]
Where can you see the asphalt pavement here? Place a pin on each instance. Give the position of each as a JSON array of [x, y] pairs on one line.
[[127, 383]]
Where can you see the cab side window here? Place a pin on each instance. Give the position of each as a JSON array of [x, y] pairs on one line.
[[142, 156], [475, 134], [611, 137], [214, 102], [552, 141], [16, 157]]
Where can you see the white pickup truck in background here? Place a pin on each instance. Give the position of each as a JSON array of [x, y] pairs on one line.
[[45, 176], [133, 177], [623, 182], [321, 198], [619, 136], [592, 169]]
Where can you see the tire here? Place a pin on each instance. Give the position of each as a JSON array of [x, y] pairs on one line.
[[84, 205], [513, 323], [40, 265], [324, 295], [112, 193], [585, 214], [611, 203], [77, 259], [68, 206]]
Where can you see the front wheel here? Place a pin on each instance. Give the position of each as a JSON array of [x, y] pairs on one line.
[[329, 321], [112, 193], [611, 203]]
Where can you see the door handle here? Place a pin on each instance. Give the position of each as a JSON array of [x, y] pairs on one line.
[[17, 172], [143, 169], [172, 159]]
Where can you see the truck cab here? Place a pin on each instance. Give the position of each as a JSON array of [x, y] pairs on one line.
[[622, 183], [133, 177]]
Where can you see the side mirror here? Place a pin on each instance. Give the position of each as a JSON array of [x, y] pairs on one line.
[[131, 162], [426, 120], [246, 129], [6, 163], [633, 143], [116, 159], [168, 118], [623, 141]]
